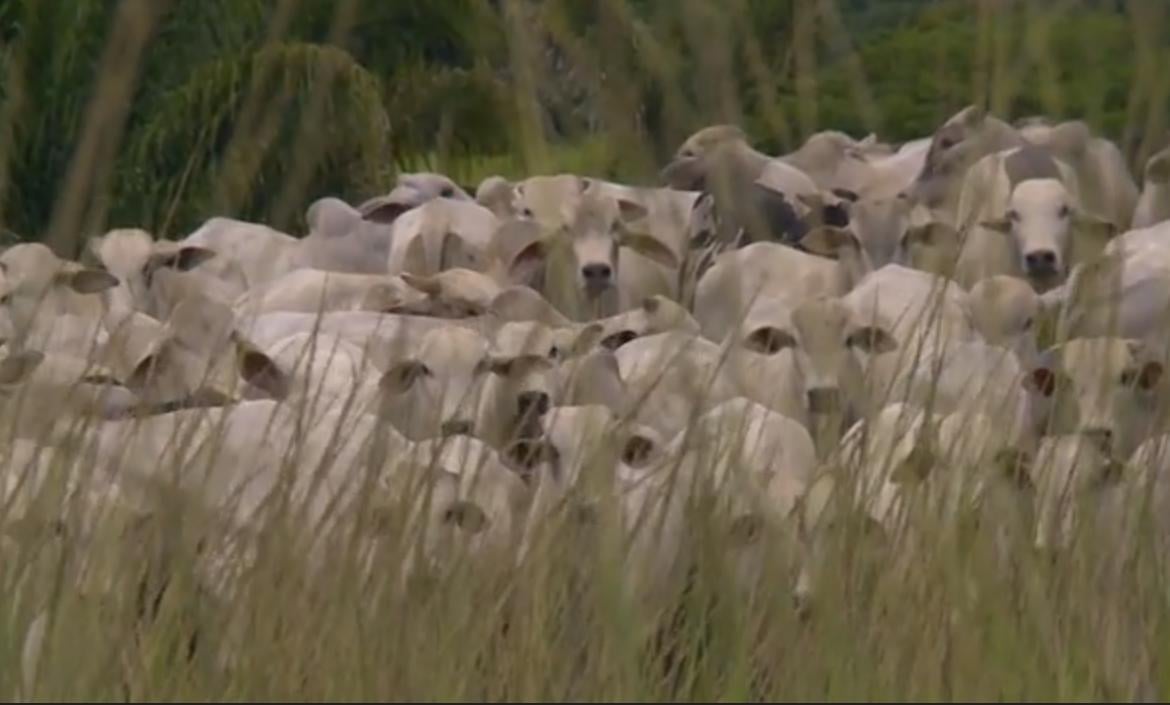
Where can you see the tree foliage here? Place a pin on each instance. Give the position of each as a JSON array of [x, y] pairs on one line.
[[253, 108]]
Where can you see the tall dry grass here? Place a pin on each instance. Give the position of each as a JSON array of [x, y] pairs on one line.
[[167, 599]]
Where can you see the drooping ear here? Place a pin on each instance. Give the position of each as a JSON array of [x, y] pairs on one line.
[[1041, 380], [16, 367], [999, 225], [87, 281], [415, 260], [630, 211], [651, 247], [1147, 373], [1093, 232], [382, 210], [769, 340], [873, 339], [528, 261], [522, 303], [261, 371], [184, 259], [829, 241], [149, 366], [402, 376], [431, 286], [455, 252]]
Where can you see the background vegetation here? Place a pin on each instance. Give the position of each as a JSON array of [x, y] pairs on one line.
[[160, 113]]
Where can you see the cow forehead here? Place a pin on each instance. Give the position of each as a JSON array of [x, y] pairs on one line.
[[452, 347], [820, 316], [571, 427], [516, 338], [1039, 193]]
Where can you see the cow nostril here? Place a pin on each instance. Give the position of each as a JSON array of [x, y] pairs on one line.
[[1041, 259], [597, 273], [534, 403], [824, 400], [456, 427]]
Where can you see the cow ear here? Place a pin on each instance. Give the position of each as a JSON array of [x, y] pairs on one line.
[[191, 256], [261, 371], [873, 339], [1094, 230], [431, 286], [829, 241], [527, 261], [415, 259], [650, 247], [630, 211], [88, 281], [16, 367], [974, 115], [382, 210], [999, 225], [1041, 380], [1148, 375], [148, 367]]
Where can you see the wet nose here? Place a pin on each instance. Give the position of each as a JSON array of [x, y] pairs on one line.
[[532, 403], [824, 400], [1040, 261], [456, 427], [597, 273]]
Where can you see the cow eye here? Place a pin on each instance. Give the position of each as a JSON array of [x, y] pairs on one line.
[[947, 143], [1014, 216], [447, 192], [527, 212], [1028, 323], [1063, 212], [554, 352]]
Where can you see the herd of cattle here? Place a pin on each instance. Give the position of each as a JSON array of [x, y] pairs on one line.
[[969, 322]]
